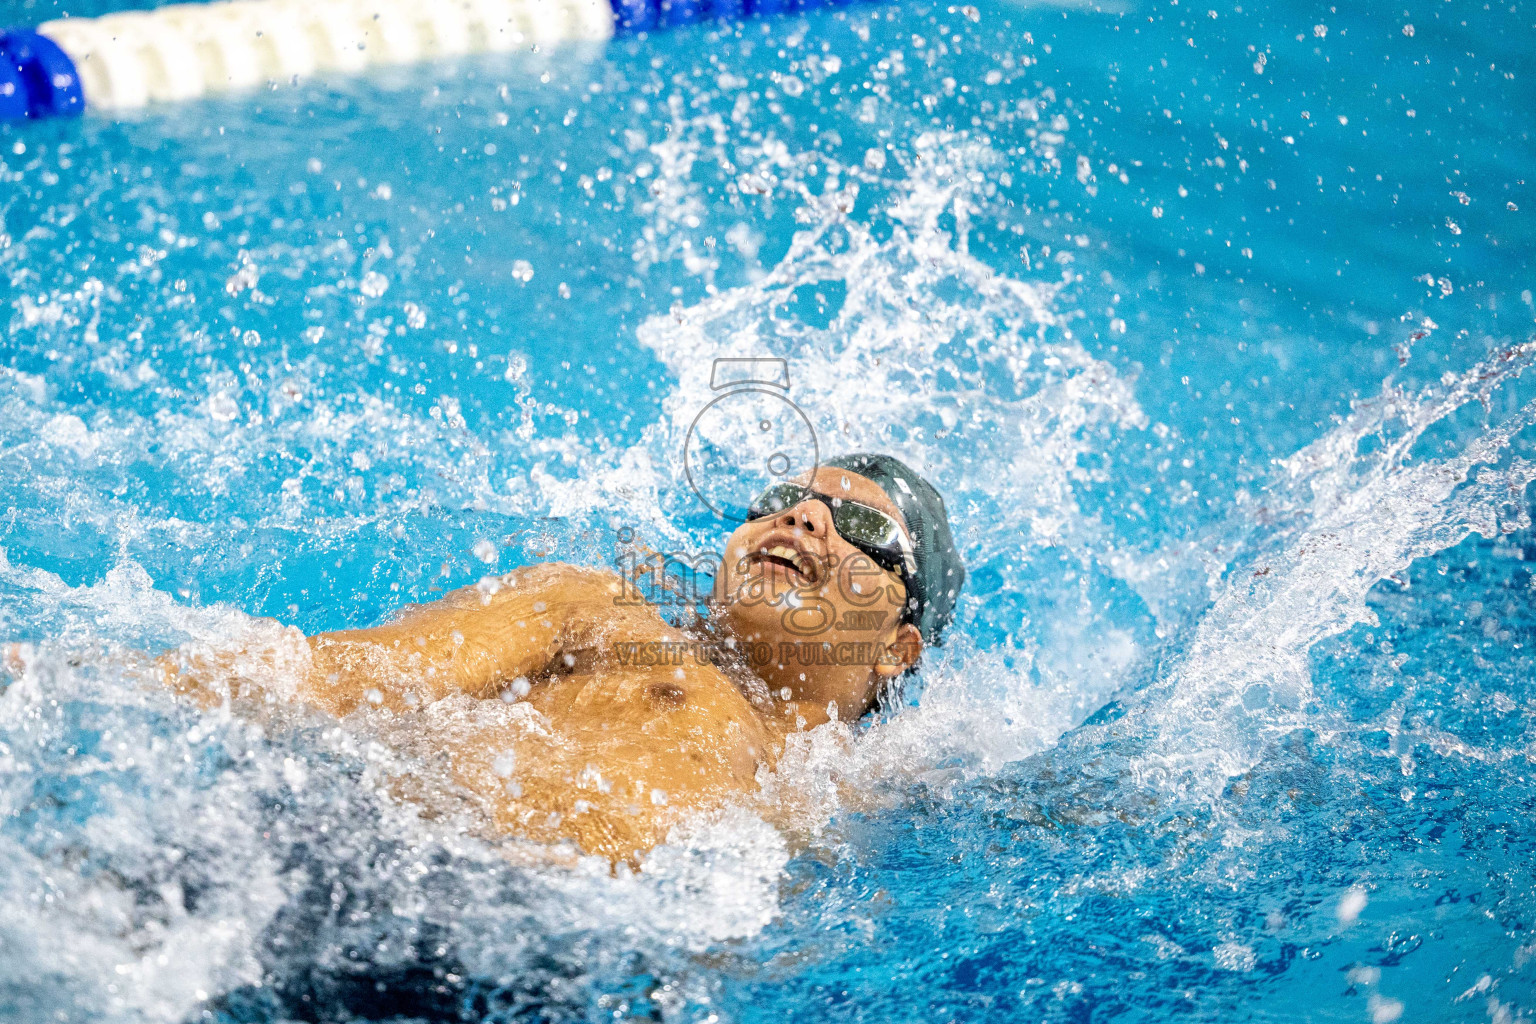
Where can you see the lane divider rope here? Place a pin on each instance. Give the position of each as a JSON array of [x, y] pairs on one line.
[[179, 52]]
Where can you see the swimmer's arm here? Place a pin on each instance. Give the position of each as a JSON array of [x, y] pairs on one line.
[[432, 651], [477, 640], [265, 669]]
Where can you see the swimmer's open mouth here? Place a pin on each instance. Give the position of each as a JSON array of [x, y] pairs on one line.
[[794, 562]]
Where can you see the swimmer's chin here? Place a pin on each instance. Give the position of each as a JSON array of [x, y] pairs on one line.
[[755, 618]]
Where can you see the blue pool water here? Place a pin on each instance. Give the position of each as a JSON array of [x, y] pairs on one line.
[[1222, 363]]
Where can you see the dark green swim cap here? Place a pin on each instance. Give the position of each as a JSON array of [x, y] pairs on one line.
[[940, 573]]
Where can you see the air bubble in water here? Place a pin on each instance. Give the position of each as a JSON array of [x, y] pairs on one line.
[[223, 408], [522, 270], [1348, 910], [1234, 956], [485, 551], [516, 367], [415, 316], [373, 284], [246, 277], [1384, 1010]]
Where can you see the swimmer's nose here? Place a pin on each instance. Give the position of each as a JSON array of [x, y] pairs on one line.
[[810, 515]]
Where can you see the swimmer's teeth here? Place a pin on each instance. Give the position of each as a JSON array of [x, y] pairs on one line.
[[792, 556]]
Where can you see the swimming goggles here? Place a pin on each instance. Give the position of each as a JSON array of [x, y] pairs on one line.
[[868, 529]]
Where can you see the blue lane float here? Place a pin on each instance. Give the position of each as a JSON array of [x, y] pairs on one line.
[[182, 51], [37, 78]]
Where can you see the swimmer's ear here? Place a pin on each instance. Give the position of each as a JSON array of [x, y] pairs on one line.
[[901, 653]]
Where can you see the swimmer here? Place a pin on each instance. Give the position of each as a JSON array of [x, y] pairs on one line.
[[569, 709]]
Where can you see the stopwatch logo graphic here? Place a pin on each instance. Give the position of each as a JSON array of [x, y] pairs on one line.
[[749, 437]]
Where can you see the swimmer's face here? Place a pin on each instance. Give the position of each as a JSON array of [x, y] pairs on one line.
[[821, 617]]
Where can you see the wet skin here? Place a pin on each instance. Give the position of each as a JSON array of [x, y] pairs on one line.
[[521, 682]]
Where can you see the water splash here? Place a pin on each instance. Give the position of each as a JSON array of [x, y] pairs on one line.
[[1354, 508]]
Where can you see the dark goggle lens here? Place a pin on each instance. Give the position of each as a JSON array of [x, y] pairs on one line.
[[776, 499], [872, 532], [862, 525]]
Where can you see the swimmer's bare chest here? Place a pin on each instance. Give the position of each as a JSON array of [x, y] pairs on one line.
[[541, 709], [690, 710], [616, 755]]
